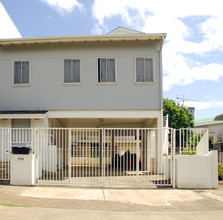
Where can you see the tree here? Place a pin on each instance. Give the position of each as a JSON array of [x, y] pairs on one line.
[[179, 117]]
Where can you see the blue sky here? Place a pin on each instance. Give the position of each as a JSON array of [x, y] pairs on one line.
[[192, 53]]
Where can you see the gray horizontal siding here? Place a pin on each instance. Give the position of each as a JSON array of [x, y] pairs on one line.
[[47, 92]]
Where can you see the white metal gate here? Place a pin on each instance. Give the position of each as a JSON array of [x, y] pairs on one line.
[[104, 156]]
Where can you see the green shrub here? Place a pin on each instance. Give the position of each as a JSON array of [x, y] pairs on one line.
[[220, 172]]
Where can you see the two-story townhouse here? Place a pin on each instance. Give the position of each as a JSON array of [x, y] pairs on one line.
[[112, 80], [82, 90]]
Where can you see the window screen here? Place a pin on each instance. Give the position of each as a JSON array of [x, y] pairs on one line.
[[144, 70], [71, 71], [21, 72]]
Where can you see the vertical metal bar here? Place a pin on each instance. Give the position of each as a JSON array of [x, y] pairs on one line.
[[89, 155], [93, 154], [73, 153], [2, 150], [9, 150], [86, 154], [61, 154], [69, 155], [137, 156], [112, 167], [103, 156], [34, 152], [65, 153], [119, 149], [128, 154], [58, 155], [54, 154], [41, 155], [131, 153], [101, 152], [173, 159], [82, 153]]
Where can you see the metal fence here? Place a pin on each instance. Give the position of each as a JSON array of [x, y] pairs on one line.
[[103, 156], [191, 141]]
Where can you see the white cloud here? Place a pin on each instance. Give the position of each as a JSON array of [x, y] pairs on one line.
[[204, 105], [63, 6], [7, 27], [163, 16]]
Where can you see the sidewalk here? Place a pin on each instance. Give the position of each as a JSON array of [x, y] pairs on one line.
[[68, 202]]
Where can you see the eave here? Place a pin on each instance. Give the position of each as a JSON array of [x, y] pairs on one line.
[[81, 39]]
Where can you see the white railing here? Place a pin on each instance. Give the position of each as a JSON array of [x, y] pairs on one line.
[[21, 135], [191, 141]]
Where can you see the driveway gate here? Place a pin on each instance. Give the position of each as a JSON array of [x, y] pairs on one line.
[[98, 156]]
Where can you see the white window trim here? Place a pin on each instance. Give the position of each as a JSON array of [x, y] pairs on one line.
[[72, 83], [108, 83], [13, 65], [153, 62]]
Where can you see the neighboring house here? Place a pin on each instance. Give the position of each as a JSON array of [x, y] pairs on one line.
[[112, 80], [191, 110], [215, 127]]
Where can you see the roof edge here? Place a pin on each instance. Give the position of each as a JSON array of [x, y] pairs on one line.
[[218, 117], [78, 39]]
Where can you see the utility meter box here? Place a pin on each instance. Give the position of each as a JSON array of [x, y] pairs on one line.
[[22, 165]]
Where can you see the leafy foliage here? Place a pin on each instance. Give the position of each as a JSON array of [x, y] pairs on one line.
[[179, 117], [211, 141], [220, 172]]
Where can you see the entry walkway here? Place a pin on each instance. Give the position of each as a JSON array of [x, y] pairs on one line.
[[66, 202]]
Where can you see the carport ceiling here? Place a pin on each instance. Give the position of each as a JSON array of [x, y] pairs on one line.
[[106, 122]]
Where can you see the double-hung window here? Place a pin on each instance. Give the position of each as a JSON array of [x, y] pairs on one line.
[[144, 70], [72, 72], [21, 72], [106, 70]]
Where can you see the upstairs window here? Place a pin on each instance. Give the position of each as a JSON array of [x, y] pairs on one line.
[[21, 72], [106, 70], [72, 73], [144, 70]]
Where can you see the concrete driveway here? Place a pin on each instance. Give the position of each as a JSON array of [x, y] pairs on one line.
[[68, 202]]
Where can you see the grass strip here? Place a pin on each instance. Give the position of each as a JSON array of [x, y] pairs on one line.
[[12, 205]]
